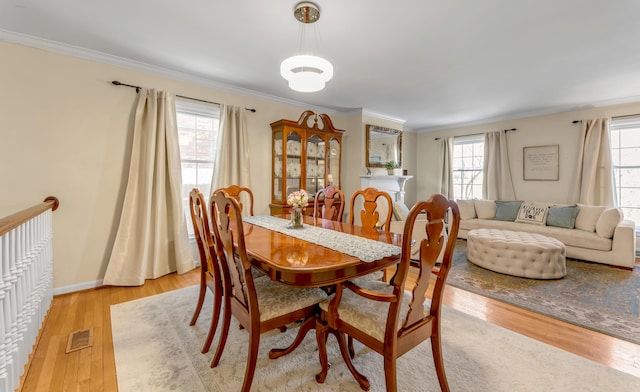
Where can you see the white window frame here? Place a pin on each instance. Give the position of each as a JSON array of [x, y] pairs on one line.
[[623, 189], [460, 141], [204, 184]]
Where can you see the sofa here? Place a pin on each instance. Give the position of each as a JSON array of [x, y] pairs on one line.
[[591, 233]]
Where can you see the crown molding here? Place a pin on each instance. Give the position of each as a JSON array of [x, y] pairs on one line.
[[536, 113], [367, 112], [101, 57]]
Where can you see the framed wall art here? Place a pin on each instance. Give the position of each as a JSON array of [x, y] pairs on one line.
[[540, 163]]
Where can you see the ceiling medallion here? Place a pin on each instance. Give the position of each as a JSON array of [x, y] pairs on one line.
[[306, 73]]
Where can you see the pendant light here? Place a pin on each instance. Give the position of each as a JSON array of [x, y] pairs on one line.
[[306, 73]]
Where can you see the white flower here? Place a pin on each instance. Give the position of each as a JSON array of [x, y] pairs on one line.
[[298, 199]]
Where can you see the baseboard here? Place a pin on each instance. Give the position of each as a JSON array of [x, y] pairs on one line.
[[77, 287]]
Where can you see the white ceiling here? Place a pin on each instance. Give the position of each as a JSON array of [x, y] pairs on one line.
[[431, 63]]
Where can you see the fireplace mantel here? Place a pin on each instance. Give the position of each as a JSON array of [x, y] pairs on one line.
[[393, 185]]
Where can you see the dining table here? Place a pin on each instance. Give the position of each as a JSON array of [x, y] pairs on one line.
[[322, 253], [304, 257]]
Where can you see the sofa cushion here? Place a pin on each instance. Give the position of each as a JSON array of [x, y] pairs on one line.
[[562, 216], [607, 222], [532, 212], [588, 216], [569, 237], [467, 209], [507, 210], [400, 211], [485, 209]]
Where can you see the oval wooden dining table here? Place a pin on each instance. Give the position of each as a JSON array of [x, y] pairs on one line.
[[299, 263], [296, 262]]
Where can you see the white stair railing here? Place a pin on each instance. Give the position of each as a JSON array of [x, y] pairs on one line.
[[26, 286]]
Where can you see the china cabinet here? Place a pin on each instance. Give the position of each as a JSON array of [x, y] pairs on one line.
[[306, 155]]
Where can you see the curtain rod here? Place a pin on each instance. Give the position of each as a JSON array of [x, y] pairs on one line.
[[481, 133], [116, 83], [627, 115]]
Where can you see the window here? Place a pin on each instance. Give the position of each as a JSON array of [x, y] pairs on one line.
[[468, 157], [198, 127], [625, 151]]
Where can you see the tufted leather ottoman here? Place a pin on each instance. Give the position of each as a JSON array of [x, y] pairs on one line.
[[517, 253]]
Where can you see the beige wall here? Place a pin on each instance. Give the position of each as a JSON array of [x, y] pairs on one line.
[[532, 131], [66, 131]]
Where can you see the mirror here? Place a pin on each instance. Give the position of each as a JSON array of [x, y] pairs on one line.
[[383, 145]]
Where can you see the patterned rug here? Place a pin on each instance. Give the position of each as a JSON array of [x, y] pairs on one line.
[[591, 295], [156, 350]]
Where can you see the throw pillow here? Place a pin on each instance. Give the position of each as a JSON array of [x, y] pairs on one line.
[[400, 211], [467, 209], [588, 216], [534, 213], [562, 216], [486, 209], [507, 210], [607, 222]]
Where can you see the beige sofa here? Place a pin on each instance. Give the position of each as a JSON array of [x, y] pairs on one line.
[[598, 234]]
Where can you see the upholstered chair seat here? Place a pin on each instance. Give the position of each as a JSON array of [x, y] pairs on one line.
[[275, 300], [370, 316]]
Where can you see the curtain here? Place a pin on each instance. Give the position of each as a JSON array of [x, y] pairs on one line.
[[594, 178], [152, 240], [497, 184], [446, 166], [231, 166]]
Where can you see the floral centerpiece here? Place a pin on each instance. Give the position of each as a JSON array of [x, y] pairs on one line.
[[298, 200]]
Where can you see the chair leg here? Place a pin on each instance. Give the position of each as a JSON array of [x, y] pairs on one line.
[[215, 318], [436, 349], [322, 333], [352, 351], [360, 378], [306, 326], [226, 322], [252, 359], [201, 295], [390, 374]]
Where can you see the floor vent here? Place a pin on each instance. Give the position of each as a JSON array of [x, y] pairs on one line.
[[79, 340]]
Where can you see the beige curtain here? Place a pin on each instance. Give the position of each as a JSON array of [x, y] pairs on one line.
[[152, 237], [594, 177], [232, 159], [445, 168], [497, 184]]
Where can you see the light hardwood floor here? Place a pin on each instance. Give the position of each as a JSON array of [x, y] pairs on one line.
[[93, 368]]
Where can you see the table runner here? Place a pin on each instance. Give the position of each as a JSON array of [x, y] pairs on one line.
[[363, 248]]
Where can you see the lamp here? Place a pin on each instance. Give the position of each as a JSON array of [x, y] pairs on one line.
[[306, 73]]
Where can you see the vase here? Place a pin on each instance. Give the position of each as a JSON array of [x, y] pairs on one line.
[[296, 218]]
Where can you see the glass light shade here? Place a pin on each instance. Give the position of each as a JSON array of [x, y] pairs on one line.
[[306, 73]]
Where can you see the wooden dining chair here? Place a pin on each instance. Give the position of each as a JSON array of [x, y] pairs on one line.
[[329, 204], [259, 304], [239, 193], [369, 214], [209, 269], [389, 318]]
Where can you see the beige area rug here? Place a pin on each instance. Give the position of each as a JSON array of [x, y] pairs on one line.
[[157, 350]]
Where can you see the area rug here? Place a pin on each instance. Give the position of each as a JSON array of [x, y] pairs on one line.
[[157, 350], [591, 295]]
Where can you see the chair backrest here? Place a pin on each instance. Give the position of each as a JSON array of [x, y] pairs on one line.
[[240, 193], [441, 231], [332, 201], [233, 260], [369, 217], [204, 240]]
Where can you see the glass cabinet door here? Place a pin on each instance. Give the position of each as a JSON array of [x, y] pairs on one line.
[[333, 163], [315, 164], [277, 166], [293, 167]]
